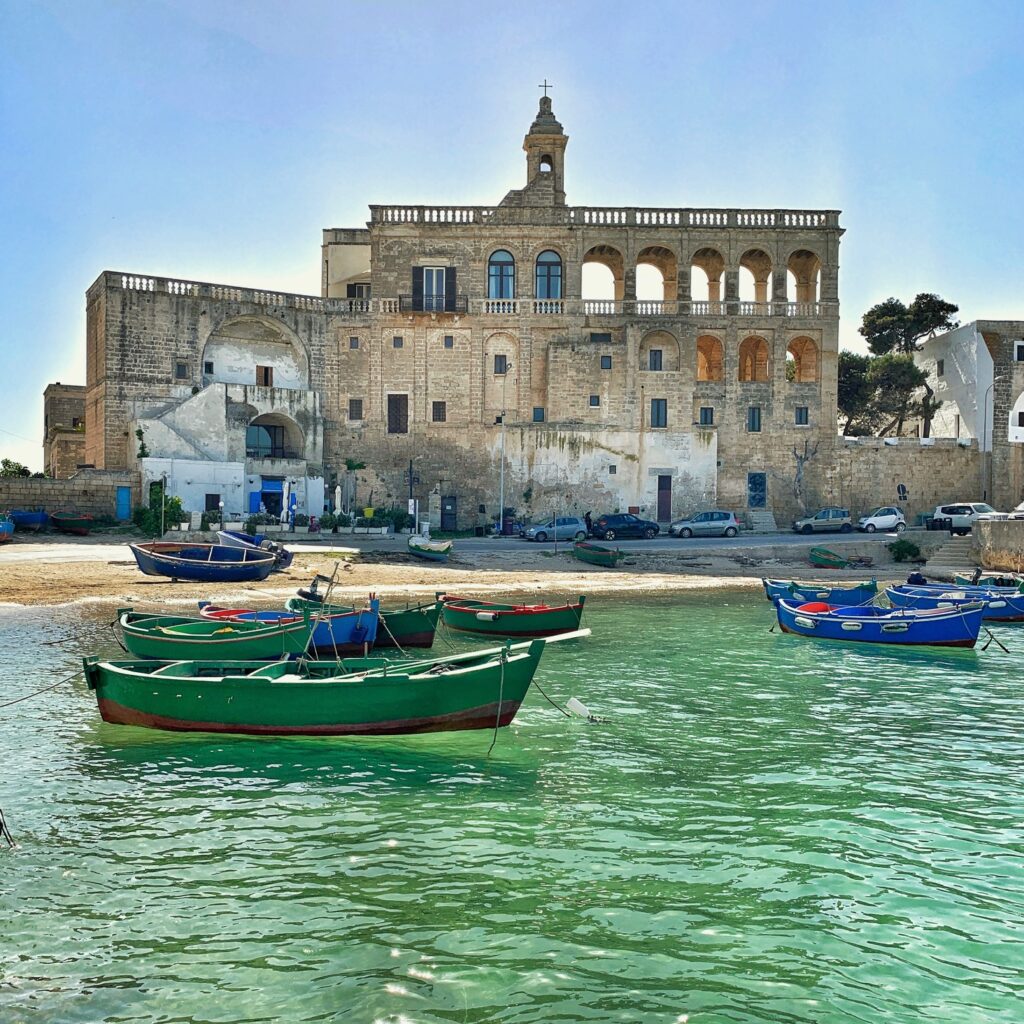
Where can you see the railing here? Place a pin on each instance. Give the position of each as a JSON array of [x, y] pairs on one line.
[[548, 306], [811, 309], [707, 308], [653, 307], [755, 309], [433, 304], [501, 306], [272, 452], [601, 216], [602, 307]]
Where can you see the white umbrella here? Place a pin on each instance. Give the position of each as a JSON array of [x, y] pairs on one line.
[[337, 499], [285, 491]]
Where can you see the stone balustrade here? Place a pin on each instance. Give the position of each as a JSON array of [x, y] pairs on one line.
[[625, 216], [362, 307]]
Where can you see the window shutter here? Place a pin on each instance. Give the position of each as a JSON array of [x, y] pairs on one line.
[[417, 288], [449, 289]]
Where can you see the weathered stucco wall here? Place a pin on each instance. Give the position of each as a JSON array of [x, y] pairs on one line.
[[1000, 544]]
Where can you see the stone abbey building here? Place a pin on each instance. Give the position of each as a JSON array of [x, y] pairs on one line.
[[448, 341]]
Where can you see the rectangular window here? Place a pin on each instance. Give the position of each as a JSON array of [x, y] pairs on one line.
[[1020, 419], [353, 342], [654, 359], [212, 502], [659, 412], [707, 416], [398, 414], [357, 291], [264, 442], [501, 365], [802, 416], [606, 362], [397, 341], [208, 366], [538, 414], [612, 470], [355, 408], [433, 289], [595, 400], [180, 370], [449, 341], [264, 376], [596, 336], [754, 419], [1018, 351], [439, 412], [940, 367], [76, 422]]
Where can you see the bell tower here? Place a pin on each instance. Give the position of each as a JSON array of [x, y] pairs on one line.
[[545, 156]]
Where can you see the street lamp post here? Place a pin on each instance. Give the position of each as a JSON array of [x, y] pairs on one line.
[[986, 438]]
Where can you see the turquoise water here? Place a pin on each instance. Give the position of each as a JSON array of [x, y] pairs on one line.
[[761, 829]]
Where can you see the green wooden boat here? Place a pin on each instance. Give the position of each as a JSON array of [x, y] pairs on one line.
[[597, 554], [180, 637], [351, 697], [430, 550], [491, 619], [413, 626], [989, 579]]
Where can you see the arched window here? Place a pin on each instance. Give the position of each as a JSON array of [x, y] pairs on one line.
[[753, 359], [546, 164], [549, 275], [501, 275], [709, 358], [803, 353]]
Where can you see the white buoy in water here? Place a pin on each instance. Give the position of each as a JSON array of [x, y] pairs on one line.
[[578, 707]]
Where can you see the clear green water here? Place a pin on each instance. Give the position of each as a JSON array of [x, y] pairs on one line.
[[763, 829]]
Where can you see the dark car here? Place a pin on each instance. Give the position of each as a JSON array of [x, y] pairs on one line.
[[624, 524]]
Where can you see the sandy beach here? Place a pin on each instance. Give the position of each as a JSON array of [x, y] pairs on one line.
[[65, 571]]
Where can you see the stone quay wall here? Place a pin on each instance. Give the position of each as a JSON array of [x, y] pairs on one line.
[[1000, 544], [90, 491]]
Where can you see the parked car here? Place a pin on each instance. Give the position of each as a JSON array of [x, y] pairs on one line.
[[714, 523], [830, 518], [962, 514], [888, 518], [624, 524], [559, 528]]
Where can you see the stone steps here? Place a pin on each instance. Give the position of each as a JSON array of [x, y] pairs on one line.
[[762, 521], [956, 555]]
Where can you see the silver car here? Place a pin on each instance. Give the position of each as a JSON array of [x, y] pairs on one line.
[[714, 523], [559, 528]]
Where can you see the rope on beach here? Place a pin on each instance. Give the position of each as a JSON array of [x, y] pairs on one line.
[[35, 693]]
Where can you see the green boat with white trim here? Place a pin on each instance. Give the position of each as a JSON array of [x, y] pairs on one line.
[[492, 619]]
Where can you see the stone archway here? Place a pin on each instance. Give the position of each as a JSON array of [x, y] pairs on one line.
[[255, 350]]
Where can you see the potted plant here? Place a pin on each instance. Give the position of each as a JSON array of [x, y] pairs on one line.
[[301, 524]]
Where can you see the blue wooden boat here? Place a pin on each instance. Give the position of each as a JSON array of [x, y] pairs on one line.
[[933, 627], [237, 539], [23, 519], [335, 633], [791, 590], [1000, 605], [204, 563], [6, 529]]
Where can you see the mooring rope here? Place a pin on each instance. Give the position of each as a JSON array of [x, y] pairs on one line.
[[5, 832], [35, 693], [501, 698]]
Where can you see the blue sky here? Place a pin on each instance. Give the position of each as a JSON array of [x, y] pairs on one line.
[[213, 141]]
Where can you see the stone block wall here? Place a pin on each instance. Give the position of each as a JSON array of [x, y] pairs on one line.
[[90, 491], [1000, 544], [868, 472]]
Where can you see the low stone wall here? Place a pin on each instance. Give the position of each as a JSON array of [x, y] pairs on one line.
[[92, 491], [1000, 544]]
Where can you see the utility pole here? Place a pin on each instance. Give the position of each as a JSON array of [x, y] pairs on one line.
[[501, 486]]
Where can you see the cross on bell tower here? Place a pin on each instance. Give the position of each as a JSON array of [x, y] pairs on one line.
[[545, 156]]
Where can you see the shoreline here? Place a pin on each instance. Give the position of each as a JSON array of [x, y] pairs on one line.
[[59, 582]]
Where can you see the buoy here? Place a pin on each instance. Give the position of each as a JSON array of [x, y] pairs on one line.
[[487, 616], [578, 707]]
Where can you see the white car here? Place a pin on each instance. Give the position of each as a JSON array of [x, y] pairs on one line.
[[962, 514], [888, 518]]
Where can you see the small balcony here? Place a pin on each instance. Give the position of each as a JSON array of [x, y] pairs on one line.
[[433, 304]]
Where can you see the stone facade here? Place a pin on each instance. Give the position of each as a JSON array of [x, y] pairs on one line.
[[1000, 544], [463, 339], [94, 492], [63, 429]]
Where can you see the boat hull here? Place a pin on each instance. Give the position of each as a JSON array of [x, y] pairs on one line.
[[998, 606], [597, 554], [6, 531], [335, 633], [989, 579], [822, 558], [430, 550], [181, 638], [486, 618], [24, 520], [403, 627], [790, 590], [203, 563], [256, 541], [958, 627], [77, 525], [393, 702]]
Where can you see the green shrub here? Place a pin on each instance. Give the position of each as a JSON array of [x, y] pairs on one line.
[[301, 519], [343, 519], [327, 521], [904, 550]]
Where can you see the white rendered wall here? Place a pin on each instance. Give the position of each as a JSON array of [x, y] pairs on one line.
[[967, 374]]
